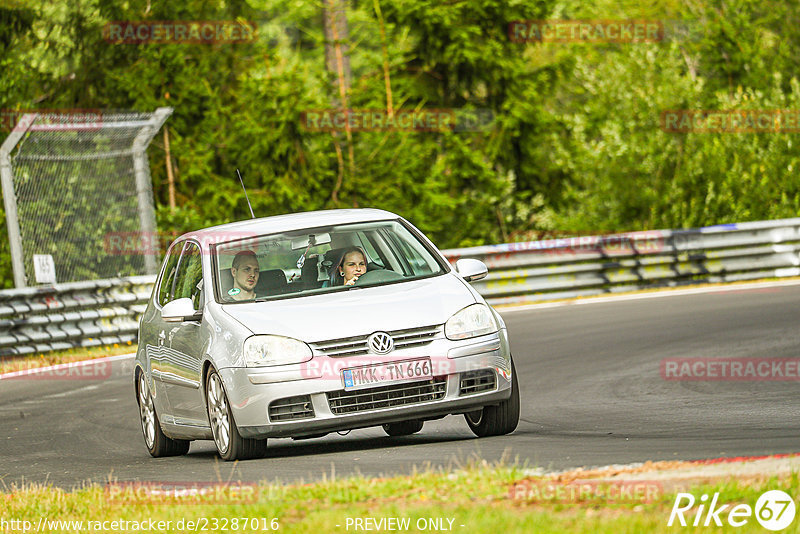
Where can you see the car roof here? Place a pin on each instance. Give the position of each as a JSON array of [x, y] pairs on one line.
[[284, 223]]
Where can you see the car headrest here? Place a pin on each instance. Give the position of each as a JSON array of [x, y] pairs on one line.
[[225, 280], [309, 272], [270, 282]]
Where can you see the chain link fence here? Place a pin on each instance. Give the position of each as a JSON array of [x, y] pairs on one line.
[[71, 180]]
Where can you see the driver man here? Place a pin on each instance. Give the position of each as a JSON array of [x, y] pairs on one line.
[[245, 276]]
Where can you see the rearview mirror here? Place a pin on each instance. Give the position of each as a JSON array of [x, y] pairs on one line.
[[313, 240], [180, 310], [471, 270]]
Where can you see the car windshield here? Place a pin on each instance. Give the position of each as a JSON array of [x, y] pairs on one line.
[[319, 260]]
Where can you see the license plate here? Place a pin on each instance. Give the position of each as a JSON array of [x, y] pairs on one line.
[[386, 373]]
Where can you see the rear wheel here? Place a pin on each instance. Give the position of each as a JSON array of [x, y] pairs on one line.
[[157, 443], [500, 419], [403, 428], [230, 444]]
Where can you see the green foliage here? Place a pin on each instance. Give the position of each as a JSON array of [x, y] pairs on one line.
[[622, 171], [6, 273], [576, 144]]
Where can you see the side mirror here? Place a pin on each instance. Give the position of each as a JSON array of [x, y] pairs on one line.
[[471, 270], [180, 310]]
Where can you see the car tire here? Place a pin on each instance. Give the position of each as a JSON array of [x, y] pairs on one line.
[[230, 444], [157, 443], [403, 428], [500, 419]]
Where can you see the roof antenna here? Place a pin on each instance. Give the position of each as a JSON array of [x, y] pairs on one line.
[[245, 194]]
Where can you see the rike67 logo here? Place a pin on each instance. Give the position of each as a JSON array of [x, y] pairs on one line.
[[774, 510]]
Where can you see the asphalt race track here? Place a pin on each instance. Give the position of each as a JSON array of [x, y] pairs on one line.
[[592, 394]]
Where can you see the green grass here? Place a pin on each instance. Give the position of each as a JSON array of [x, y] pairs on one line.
[[477, 497]]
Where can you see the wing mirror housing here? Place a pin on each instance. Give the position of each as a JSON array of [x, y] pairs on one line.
[[180, 310], [471, 270]]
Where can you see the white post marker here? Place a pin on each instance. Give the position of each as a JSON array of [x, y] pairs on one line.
[[44, 269]]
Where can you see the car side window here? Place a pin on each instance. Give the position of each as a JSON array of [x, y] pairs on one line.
[[189, 278], [165, 289]]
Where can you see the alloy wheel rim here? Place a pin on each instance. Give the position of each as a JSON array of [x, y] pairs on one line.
[[218, 414], [471, 417], [147, 413]]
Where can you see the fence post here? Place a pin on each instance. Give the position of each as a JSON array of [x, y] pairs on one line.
[[10, 198], [144, 188]]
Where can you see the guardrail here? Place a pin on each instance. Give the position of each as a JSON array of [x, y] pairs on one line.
[[593, 265], [103, 312], [77, 314]]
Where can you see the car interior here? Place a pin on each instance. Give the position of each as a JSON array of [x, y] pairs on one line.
[[306, 262], [270, 282]]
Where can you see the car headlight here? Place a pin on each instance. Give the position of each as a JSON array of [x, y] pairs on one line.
[[262, 351], [472, 321]]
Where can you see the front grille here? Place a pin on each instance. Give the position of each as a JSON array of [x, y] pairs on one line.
[[291, 409], [344, 402], [353, 346], [477, 382]]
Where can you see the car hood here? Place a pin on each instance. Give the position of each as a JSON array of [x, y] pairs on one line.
[[427, 302]]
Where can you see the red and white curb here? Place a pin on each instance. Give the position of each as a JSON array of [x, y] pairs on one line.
[[739, 466]]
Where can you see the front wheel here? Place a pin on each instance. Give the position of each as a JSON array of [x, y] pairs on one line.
[[230, 444], [157, 443], [500, 419], [403, 428]]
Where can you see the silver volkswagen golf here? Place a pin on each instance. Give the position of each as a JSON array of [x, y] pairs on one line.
[[304, 324]]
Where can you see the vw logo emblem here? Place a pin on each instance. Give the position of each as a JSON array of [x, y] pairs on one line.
[[380, 343]]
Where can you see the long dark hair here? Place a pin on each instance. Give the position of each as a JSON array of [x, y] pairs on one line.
[[348, 251], [337, 278]]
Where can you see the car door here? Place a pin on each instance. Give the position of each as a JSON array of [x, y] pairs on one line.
[[183, 383], [155, 336]]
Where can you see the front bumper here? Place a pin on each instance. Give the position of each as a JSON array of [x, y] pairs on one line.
[[251, 391]]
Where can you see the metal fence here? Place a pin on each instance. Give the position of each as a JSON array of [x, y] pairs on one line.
[[71, 180], [79, 314], [594, 265], [106, 311]]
